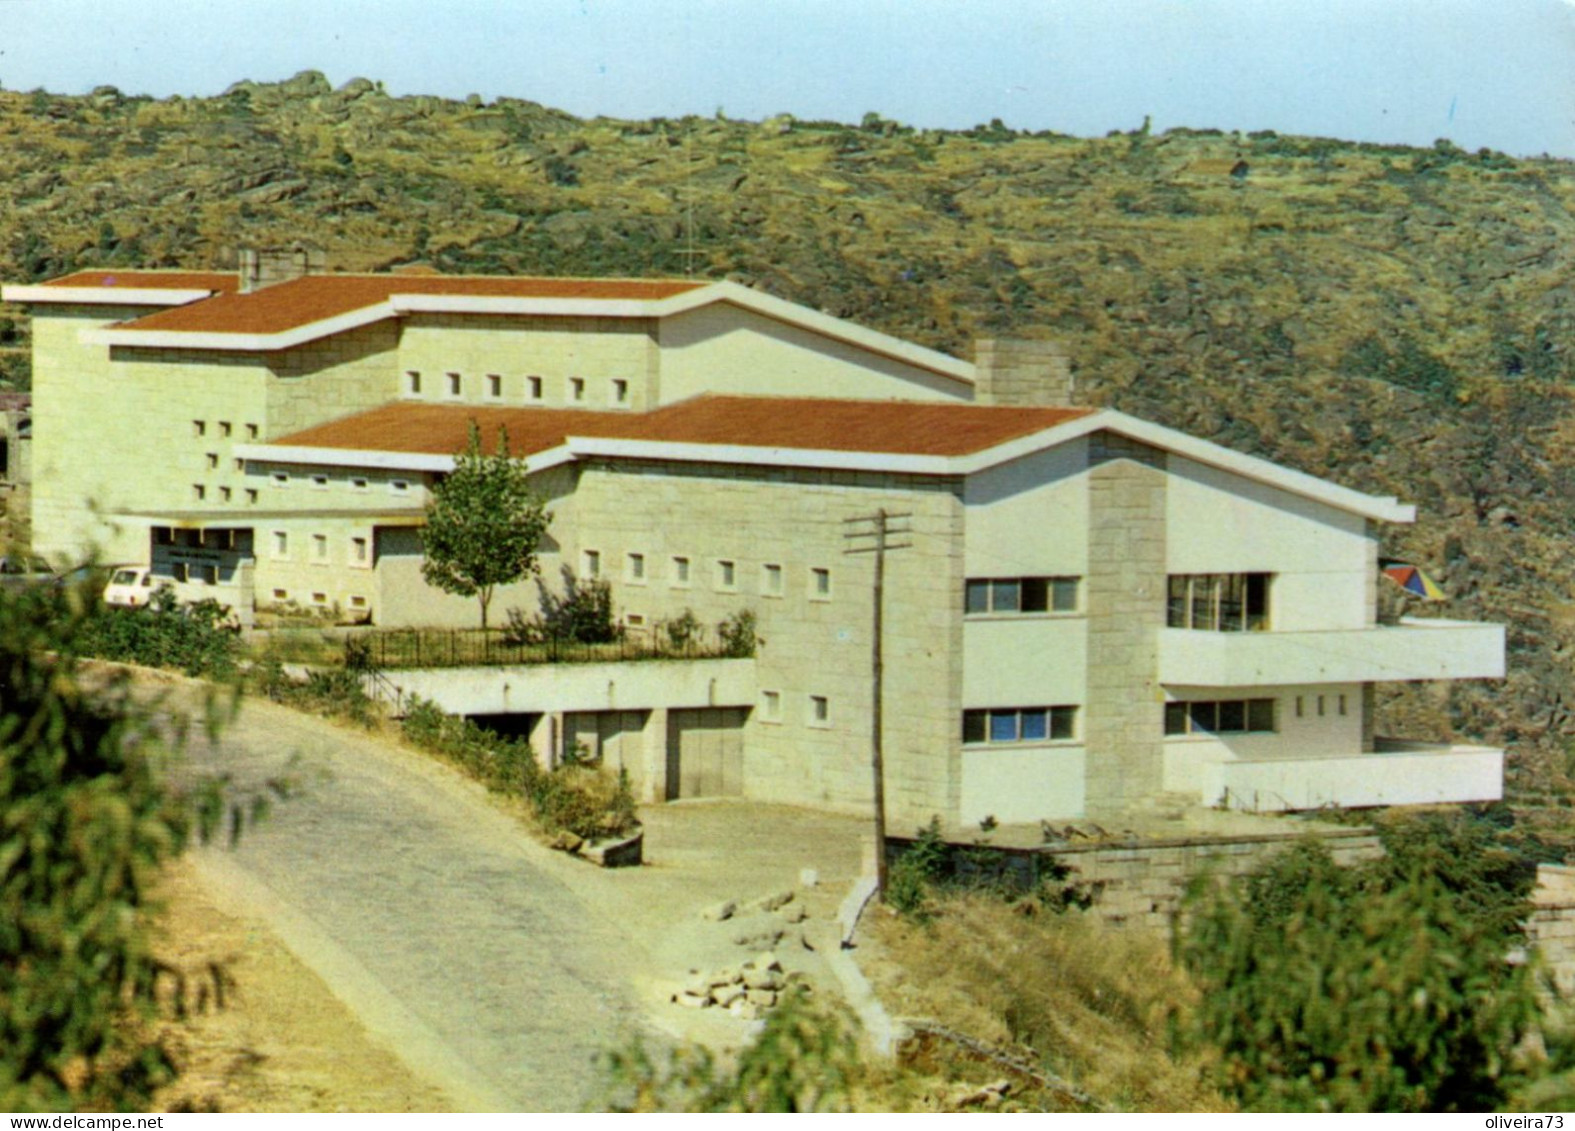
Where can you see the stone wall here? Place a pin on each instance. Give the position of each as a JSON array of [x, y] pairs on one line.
[[1020, 372], [1551, 928]]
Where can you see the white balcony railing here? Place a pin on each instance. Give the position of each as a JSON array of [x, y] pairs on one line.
[[1415, 649], [1398, 773]]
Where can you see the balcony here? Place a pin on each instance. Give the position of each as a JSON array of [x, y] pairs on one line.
[[1397, 773], [1415, 649]]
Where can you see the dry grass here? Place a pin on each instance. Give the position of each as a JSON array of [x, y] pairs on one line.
[[1089, 1004]]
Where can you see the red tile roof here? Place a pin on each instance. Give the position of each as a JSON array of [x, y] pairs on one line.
[[888, 427], [151, 280], [312, 298]]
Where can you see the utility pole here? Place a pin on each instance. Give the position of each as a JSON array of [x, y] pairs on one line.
[[872, 534]]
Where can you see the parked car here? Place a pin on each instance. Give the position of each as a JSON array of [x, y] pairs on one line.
[[90, 577], [131, 586], [18, 571]]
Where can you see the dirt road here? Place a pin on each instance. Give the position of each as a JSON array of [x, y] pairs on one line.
[[426, 911]]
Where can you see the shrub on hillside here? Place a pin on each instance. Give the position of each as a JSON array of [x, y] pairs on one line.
[[198, 639]]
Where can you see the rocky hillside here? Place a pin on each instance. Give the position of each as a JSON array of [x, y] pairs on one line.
[[1401, 320]]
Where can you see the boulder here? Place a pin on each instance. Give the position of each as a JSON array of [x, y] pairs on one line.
[[720, 912]]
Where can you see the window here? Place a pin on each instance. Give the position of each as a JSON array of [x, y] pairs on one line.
[[620, 392], [637, 568], [224, 494], [494, 386], [358, 483], [281, 594], [319, 547], [577, 388], [1342, 706], [280, 478], [163, 536], [240, 464], [1021, 595], [591, 563], [413, 382], [1226, 716], [726, 574], [819, 711], [213, 461], [198, 492], [251, 431], [251, 496], [1218, 602], [224, 429], [199, 428], [455, 384], [358, 550], [357, 602], [319, 598], [771, 579], [281, 544], [535, 387], [399, 486], [320, 482], [771, 706], [820, 584], [208, 574], [634, 620], [680, 571], [1020, 724], [181, 572]]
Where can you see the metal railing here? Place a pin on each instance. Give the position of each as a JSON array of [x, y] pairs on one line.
[[393, 649]]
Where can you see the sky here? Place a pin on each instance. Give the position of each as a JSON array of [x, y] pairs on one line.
[[1484, 73]]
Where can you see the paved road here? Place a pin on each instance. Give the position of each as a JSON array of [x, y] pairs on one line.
[[427, 911]]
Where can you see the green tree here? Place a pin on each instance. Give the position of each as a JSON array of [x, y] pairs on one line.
[[1378, 988], [483, 524], [88, 816]]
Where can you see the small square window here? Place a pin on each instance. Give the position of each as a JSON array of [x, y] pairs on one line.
[[357, 602], [978, 597], [358, 550], [181, 572], [280, 478], [680, 571], [399, 486], [224, 494], [213, 461], [224, 429], [320, 482], [494, 385], [634, 620], [240, 464], [620, 392], [1063, 723], [413, 382], [281, 544], [281, 594], [251, 496], [636, 567], [771, 579], [535, 387], [974, 725], [820, 583], [320, 547], [1006, 596], [1063, 594], [199, 427], [208, 574], [771, 706], [319, 598], [1035, 727], [455, 385], [1260, 714], [726, 574], [1003, 726], [198, 492], [819, 711], [358, 483], [1342, 705], [591, 563], [577, 388], [251, 431]]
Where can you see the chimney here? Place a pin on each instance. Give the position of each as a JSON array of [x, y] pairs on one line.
[[1017, 371], [264, 266]]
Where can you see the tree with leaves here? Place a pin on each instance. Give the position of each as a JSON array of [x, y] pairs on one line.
[[483, 524], [88, 817]]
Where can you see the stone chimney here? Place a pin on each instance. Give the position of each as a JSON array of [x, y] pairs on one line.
[[1017, 371], [263, 267]]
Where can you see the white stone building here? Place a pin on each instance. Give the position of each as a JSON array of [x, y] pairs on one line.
[[1089, 612]]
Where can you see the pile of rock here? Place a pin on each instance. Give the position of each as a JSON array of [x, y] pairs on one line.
[[745, 991]]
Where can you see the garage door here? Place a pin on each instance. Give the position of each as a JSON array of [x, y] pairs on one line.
[[612, 738], [705, 752]]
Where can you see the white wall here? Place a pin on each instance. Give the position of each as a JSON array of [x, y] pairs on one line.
[[722, 348], [1322, 557], [1025, 661], [1017, 784], [1029, 517]]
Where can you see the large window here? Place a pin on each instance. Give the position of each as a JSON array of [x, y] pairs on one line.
[[1020, 724], [1220, 716], [1021, 595], [1218, 602]]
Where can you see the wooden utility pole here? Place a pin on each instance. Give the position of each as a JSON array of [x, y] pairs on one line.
[[871, 534]]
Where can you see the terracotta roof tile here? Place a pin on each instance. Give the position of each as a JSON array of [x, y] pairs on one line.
[[151, 280], [312, 298], [888, 427]]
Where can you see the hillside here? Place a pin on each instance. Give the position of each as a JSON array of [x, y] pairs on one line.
[[1398, 319]]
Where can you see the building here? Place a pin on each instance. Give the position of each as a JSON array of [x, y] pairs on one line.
[[1090, 612]]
